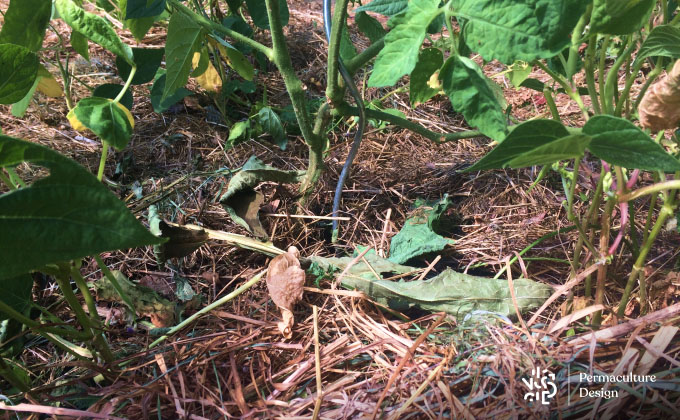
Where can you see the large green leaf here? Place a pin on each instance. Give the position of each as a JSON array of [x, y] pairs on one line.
[[161, 104], [418, 237], [144, 8], [620, 17], [25, 23], [402, 43], [430, 60], [620, 142], [236, 60], [18, 70], [16, 293], [369, 26], [271, 124], [147, 59], [241, 200], [523, 138], [106, 119], [569, 147], [184, 38], [66, 215], [19, 108], [472, 95], [111, 91], [454, 293], [663, 41], [384, 7], [95, 28], [258, 12], [510, 30]]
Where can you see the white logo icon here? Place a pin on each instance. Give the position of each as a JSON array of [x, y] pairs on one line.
[[541, 386]]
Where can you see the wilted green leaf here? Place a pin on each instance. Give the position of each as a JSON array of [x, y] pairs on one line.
[[620, 142], [384, 7], [18, 71], [25, 22], [184, 38], [430, 60], [369, 26], [619, 17], [569, 147], [402, 43], [105, 119], [454, 293], [180, 241], [510, 30], [418, 237], [147, 59], [241, 200], [258, 12], [111, 91], [93, 27], [523, 138], [66, 215], [271, 124], [471, 94]]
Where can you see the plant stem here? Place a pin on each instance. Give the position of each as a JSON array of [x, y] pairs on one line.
[[567, 88], [575, 39], [601, 75], [214, 26], [5, 180], [102, 160], [611, 82], [333, 90], [38, 327], [547, 94], [650, 79], [637, 65], [133, 70], [589, 65], [572, 190], [114, 282], [650, 189], [361, 59], [602, 270]]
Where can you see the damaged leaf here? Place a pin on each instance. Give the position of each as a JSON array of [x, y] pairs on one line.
[[285, 281], [660, 107], [181, 241], [455, 293], [241, 200], [145, 301], [418, 236]]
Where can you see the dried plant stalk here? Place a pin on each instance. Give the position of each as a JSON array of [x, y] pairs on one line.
[[660, 107]]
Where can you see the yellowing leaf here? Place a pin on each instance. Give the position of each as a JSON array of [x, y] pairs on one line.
[[210, 79], [50, 87], [127, 114], [75, 122]]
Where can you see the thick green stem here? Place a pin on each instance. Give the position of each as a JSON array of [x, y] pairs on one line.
[[547, 94], [589, 65], [333, 90], [102, 160], [637, 65], [5, 180], [601, 74], [575, 40], [612, 79], [346, 110]]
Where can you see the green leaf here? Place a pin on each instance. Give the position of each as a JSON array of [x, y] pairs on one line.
[[66, 215], [620, 17], [418, 236], [237, 61], [147, 59], [523, 138], [105, 119], [142, 8], [454, 293], [138, 27], [18, 71], [111, 91], [347, 50], [430, 61], [95, 28], [271, 124], [161, 104], [17, 293], [25, 23], [663, 41], [19, 108], [80, 44], [384, 7], [569, 147], [258, 12], [241, 200], [369, 26], [238, 131], [400, 54], [184, 38], [620, 142], [519, 72], [510, 30], [472, 95]]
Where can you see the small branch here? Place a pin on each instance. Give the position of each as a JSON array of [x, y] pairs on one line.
[[668, 185]]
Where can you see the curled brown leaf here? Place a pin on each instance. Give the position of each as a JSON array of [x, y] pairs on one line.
[[660, 107], [285, 281]]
